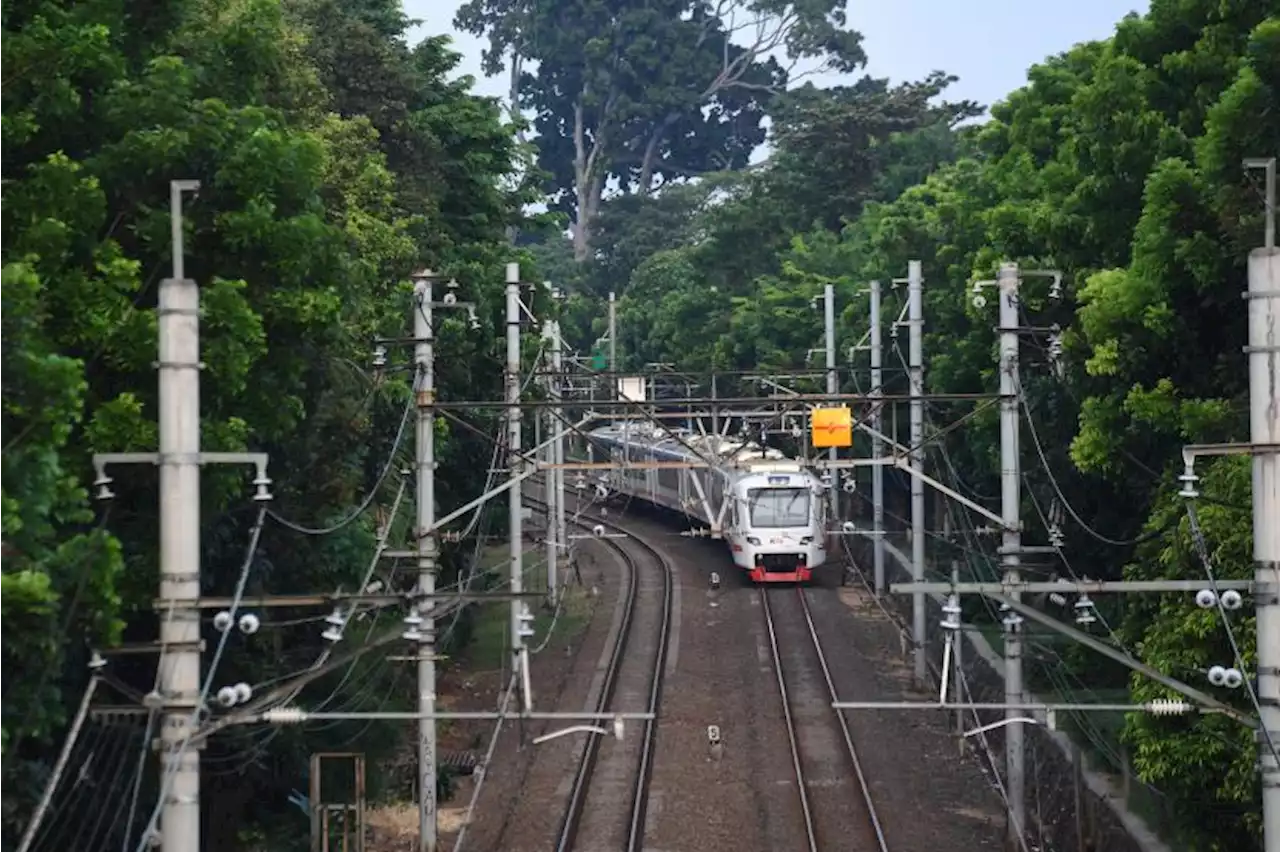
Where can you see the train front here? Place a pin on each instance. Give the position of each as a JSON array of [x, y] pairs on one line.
[[781, 536]]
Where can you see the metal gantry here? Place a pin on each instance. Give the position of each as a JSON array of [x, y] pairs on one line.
[[182, 693]]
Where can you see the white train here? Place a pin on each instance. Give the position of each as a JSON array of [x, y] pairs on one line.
[[771, 509]]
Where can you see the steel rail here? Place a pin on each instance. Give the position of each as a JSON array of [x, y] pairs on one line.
[[640, 798], [638, 810], [844, 727], [796, 762], [881, 844]]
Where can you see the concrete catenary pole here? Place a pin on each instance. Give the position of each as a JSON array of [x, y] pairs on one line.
[[833, 384], [877, 446], [1264, 433], [613, 344], [915, 363], [179, 328], [556, 526], [424, 360], [515, 465], [1011, 545]]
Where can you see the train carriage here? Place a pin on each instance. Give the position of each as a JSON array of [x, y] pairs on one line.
[[770, 509]]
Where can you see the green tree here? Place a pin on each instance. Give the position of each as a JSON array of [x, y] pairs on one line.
[[306, 227], [640, 93]]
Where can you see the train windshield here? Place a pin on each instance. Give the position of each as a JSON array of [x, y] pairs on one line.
[[779, 507]]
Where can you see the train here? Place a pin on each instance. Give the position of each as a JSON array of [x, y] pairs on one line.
[[770, 509]]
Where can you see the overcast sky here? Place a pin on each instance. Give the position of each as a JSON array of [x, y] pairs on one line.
[[988, 44]]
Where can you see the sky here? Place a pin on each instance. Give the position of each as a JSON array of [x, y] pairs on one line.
[[988, 44]]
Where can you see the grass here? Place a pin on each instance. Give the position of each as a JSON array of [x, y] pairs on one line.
[[490, 636]]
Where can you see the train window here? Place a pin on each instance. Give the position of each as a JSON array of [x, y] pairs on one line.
[[779, 507]]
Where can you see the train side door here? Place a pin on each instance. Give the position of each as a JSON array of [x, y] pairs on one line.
[[820, 514], [617, 472]]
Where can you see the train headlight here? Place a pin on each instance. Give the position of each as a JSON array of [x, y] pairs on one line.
[[753, 540], [807, 540]]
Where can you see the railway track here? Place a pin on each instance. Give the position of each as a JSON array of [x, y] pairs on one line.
[[835, 799], [608, 804]]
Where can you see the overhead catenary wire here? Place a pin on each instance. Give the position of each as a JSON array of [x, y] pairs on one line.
[[81, 567], [246, 569], [152, 714], [1066, 504], [368, 499], [1202, 550], [484, 764]]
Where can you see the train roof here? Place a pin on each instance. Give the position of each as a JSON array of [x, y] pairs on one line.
[[680, 444]]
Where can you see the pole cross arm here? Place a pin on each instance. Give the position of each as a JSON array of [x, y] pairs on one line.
[[1207, 701], [102, 460], [1089, 586]]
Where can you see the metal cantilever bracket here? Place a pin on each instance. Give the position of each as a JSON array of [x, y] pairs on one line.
[[259, 460]]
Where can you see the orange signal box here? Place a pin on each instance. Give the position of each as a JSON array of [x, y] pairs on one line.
[[832, 427]]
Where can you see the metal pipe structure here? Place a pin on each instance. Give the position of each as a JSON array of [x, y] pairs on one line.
[[1092, 587], [179, 367], [424, 355], [60, 766], [515, 460], [1011, 544], [1264, 429], [877, 446], [295, 715], [1024, 707], [915, 363], [556, 526], [675, 403], [613, 345], [833, 383]]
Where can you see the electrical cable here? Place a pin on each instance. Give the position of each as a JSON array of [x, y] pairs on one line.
[[1066, 564], [138, 773], [105, 806], [52, 827], [1035, 439], [95, 793], [323, 656], [172, 771], [488, 756], [119, 812], [1057, 676], [1202, 550], [81, 566], [368, 498], [1154, 475]]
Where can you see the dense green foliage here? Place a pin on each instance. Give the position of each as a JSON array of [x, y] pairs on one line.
[[1119, 164], [642, 94], [334, 159]]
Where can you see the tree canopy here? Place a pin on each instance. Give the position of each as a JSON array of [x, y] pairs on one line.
[[336, 157], [1119, 163], [637, 95]]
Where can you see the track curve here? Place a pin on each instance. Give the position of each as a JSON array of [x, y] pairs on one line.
[[635, 817]]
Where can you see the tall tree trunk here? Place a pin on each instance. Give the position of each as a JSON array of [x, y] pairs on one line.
[[590, 168], [588, 179], [581, 235], [651, 153]]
